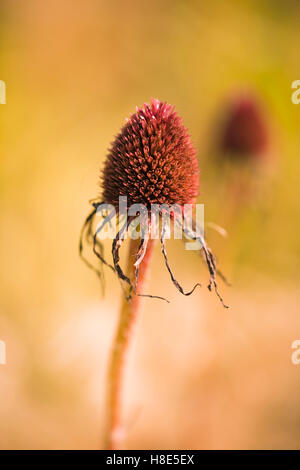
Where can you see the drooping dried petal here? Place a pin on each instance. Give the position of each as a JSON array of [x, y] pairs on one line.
[[152, 160]]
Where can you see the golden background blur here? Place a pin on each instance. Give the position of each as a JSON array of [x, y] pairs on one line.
[[199, 376]]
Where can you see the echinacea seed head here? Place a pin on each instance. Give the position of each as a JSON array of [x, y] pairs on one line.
[[244, 134], [152, 160]]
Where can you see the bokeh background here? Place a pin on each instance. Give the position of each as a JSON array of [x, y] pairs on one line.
[[199, 376]]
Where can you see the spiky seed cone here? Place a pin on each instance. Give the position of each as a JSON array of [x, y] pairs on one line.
[[152, 160]]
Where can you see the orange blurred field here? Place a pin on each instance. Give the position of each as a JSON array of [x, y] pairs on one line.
[[199, 376]]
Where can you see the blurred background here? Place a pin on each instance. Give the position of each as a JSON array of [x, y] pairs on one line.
[[199, 376]]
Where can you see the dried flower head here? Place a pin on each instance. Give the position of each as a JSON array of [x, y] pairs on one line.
[[151, 161], [244, 135]]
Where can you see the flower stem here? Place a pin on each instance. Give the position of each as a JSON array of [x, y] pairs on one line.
[[127, 320]]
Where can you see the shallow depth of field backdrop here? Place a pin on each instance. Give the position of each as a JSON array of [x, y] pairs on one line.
[[199, 376]]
